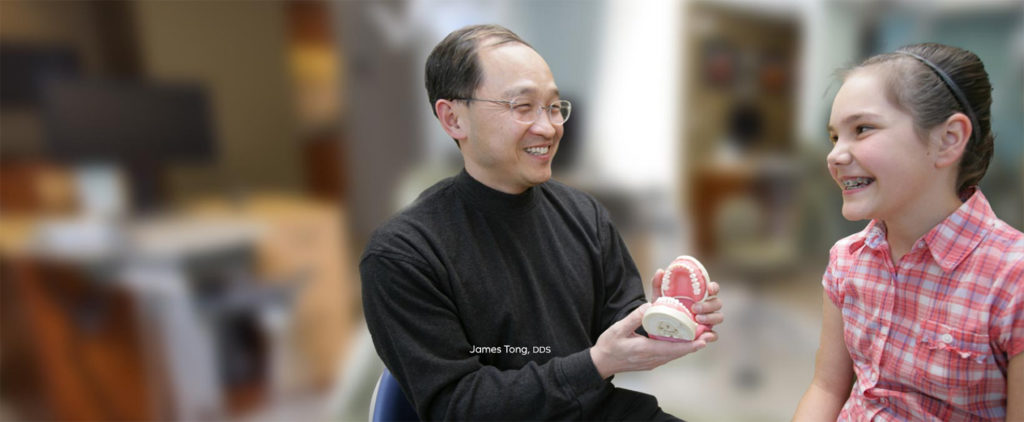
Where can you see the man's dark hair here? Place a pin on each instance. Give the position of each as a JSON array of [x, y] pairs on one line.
[[453, 70]]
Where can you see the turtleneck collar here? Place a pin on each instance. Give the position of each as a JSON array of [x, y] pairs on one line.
[[492, 200]]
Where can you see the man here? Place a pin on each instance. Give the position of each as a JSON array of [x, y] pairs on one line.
[[500, 294]]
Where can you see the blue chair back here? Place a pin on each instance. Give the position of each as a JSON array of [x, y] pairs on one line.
[[389, 403]]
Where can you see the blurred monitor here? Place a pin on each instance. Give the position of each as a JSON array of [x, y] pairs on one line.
[[139, 126], [25, 67]]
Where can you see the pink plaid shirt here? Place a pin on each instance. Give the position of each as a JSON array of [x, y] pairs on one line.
[[931, 337]]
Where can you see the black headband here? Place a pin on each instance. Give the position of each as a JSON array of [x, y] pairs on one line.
[[957, 93]]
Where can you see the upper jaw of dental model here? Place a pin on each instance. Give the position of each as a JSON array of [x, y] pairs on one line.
[[685, 280]]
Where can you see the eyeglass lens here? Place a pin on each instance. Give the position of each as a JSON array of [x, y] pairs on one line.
[[558, 112]]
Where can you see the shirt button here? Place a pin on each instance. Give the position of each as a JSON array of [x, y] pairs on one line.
[[947, 338]]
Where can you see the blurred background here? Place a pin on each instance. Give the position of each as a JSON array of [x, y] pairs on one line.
[[186, 186]]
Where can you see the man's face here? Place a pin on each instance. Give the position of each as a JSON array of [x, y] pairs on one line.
[[500, 152]]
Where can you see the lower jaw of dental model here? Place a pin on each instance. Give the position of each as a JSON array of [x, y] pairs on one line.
[[671, 316], [670, 320]]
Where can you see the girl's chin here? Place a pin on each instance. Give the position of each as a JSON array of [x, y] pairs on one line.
[[853, 214]]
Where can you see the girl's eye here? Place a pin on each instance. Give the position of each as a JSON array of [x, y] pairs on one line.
[[833, 138], [863, 128]]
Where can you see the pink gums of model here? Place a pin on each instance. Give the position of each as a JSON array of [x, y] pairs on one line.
[[671, 317]]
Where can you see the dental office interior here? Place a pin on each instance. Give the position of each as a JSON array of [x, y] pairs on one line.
[[186, 187]]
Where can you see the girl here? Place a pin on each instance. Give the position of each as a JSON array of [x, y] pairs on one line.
[[924, 308]]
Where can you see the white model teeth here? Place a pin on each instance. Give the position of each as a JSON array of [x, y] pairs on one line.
[[666, 300], [537, 150], [857, 182]]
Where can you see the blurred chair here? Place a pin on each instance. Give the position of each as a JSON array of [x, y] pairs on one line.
[[389, 403], [356, 378]]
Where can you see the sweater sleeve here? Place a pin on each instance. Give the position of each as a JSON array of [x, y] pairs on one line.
[[624, 290], [418, 332]]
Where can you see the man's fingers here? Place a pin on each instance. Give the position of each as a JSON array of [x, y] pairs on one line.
[[672, 350], [713, 288], [709, 312], [712, 304], [711, 319], [708, 337]]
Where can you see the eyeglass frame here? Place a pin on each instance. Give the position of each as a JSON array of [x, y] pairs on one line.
[[512, 104]]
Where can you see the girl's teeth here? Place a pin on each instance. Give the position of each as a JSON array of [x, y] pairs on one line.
[[857, 182], [537, 150]]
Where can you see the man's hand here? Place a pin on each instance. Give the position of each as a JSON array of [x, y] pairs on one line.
[[707, 312], [621, 349]]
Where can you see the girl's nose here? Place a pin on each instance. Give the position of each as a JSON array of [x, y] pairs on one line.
[[839, 155]]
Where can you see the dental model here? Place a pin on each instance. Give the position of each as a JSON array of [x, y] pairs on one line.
[[671, 317]]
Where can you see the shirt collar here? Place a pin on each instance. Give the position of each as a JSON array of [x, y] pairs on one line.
[[955, 237], [950, 241], [492, 200], [875, 234]]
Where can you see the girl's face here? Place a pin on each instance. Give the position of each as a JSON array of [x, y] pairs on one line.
[[881, 165]]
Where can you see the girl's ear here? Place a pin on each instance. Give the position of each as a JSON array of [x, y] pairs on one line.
[[953, 135], [451, 120]]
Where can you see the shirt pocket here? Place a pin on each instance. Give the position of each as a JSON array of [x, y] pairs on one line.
[[949, 362]]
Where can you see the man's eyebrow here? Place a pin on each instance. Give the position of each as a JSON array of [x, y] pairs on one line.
[[516, 92], [852, 117]]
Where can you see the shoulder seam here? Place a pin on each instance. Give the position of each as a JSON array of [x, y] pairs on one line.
[[386, 254]]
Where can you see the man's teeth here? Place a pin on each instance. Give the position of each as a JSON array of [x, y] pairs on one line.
[[537, 150], [857, 182]]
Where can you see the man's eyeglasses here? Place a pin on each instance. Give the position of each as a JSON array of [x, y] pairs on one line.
[[526, 112]]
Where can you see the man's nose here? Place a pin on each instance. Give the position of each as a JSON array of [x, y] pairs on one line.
[[543, 126]]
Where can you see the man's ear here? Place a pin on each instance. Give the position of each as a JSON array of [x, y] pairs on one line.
[[953, 135], [451, 120]]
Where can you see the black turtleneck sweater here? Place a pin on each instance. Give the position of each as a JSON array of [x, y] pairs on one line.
[[484, 304]]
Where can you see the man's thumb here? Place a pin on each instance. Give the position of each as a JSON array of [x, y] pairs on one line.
[[632, 321], [656, 284]]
